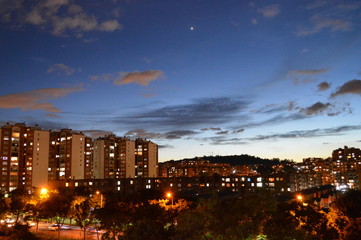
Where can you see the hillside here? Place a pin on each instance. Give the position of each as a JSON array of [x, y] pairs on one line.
[[234, 160]]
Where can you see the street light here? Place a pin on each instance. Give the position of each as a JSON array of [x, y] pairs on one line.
[[300, 198], [170, 195], [101, 198], [44, 193]]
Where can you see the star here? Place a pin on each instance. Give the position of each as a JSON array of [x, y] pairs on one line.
[[191, 28]]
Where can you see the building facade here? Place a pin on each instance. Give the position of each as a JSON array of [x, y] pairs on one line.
[[113, 157]]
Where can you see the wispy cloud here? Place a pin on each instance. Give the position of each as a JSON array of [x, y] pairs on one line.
[[58, 17], [104, 77], [316, 108], [350, 87], [270, 11], [306, 75], [323, 86], [171, 135], [331, 16], [61, 68], [308, 133], [140, 78], [96, 133], [320, 23], [202, 112], [36, 99]]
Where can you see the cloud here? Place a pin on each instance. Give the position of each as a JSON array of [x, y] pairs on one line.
[[309, 71], [141, 78], [222, 140], [308, 133], [323, 86], [61, 68], [222, 132], [161, 146], [350, 87], [52, 115], [316, 108], [277, 108], [104, 77], [333, 25], [270, 11], [238, 130], [95, 133], [36, 99], [58, 17], [206, 111], [211, 129], [306, 76], [177, 134]]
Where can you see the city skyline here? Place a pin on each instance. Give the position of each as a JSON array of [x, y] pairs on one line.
[[270, 79]]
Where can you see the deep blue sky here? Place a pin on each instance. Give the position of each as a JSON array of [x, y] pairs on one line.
[[198, 77]]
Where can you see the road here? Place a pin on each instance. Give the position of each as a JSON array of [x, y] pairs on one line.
[[73, 233]]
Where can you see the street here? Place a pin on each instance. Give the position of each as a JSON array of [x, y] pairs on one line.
[[73, 233]]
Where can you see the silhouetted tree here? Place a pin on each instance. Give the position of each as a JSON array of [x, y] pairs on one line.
[[83, 214], [18, 200], [114, 217], [345, 215]]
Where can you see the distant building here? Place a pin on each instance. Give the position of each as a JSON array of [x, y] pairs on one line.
[[185, 185], [31, 157], [146, 159], [346, 167], [194, 168], [113, 157]]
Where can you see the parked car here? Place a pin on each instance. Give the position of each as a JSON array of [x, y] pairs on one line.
[[55, 227]]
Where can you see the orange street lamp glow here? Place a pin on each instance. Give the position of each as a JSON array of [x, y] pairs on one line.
[[101, 198], [299, 197], [43, 191], [170, 195]]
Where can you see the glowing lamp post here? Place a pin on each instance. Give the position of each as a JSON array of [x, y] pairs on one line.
[[43, 193], [300, 198], [101, 198], [170, 195]]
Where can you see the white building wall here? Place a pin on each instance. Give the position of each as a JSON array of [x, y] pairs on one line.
[[98, 159], [77, 155], [130, 160], [39, 168], [152, 159]]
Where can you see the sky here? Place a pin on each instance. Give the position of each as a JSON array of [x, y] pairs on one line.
[[273, 79]]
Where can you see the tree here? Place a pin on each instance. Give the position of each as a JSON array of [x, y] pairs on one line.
[[151, 222], [37, 210], [296, 220], [58, 207], [345, 215], [114, 217], [83, 214], [4, 208], [18, 200]]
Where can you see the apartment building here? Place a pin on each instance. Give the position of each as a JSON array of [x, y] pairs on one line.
[[146, 159], [194, 168], [31, 157], [24, 153], [346, 167], [113, 157]]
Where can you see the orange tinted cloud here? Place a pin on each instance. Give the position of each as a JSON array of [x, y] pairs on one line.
[[141, 78], [36, 99]]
